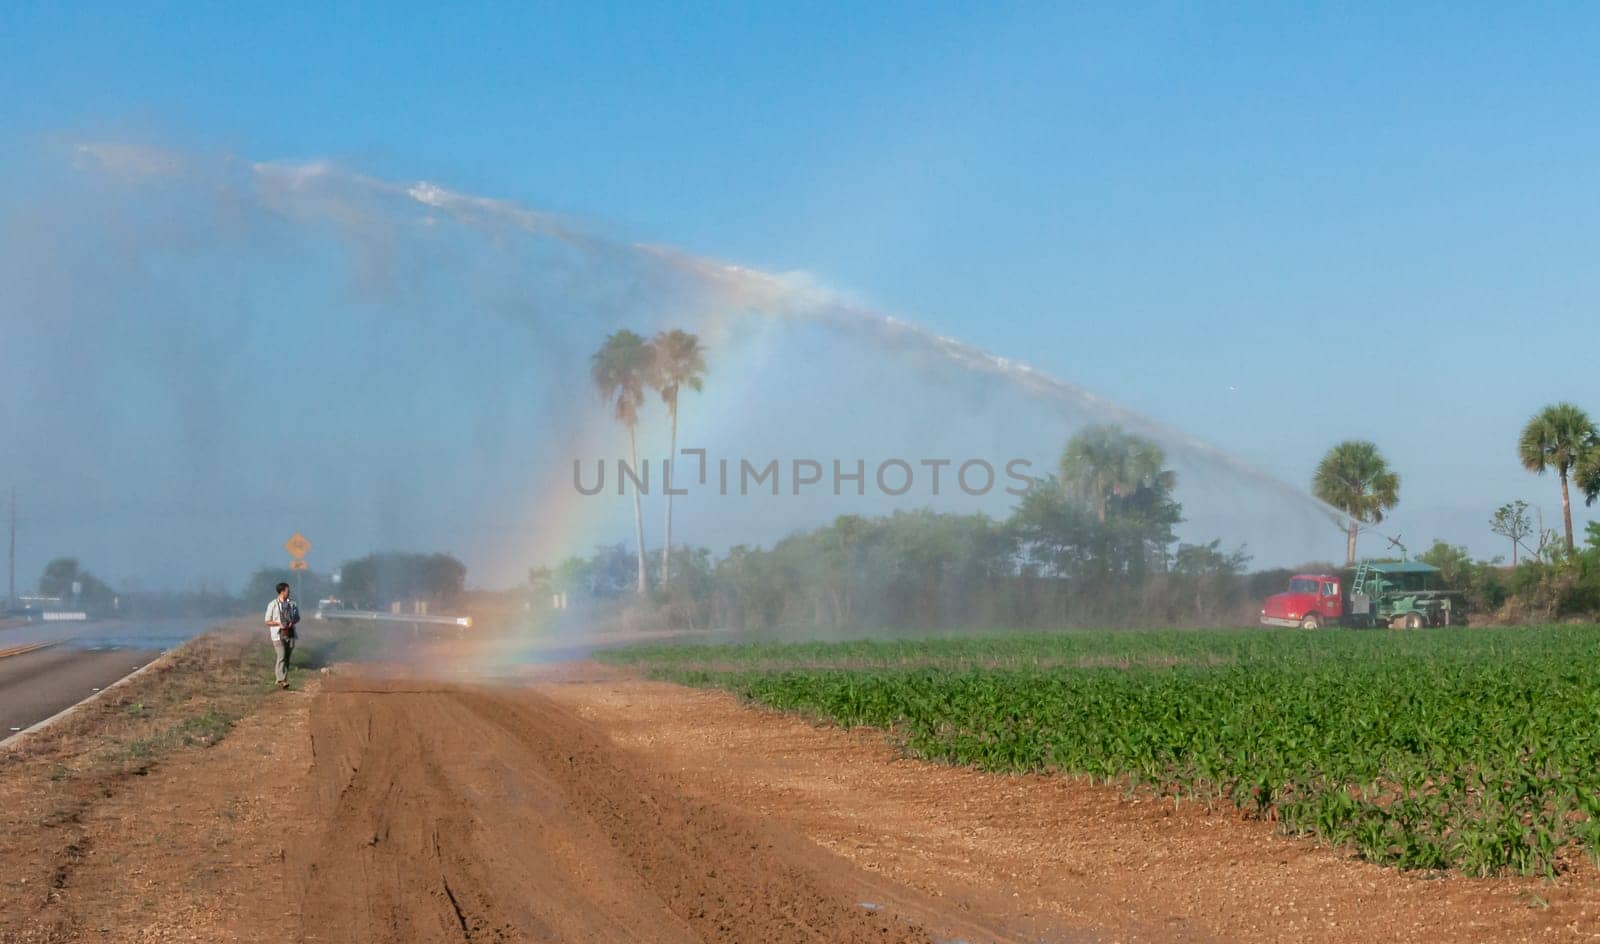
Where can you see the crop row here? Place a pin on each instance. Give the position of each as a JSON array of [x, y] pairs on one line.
[[1476, 750]]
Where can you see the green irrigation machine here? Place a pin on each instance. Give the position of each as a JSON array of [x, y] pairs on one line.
[[1405, 594]]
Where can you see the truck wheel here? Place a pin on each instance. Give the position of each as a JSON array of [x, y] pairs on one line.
[[1311, 622]]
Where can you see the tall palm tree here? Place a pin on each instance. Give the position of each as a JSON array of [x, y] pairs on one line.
[[621, 371], [1559, 437], [679, 362], [1103, 462], [1355, 478]]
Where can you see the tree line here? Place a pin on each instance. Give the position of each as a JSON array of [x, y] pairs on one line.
[[1355, 478], [371, 582], [1092, 543]]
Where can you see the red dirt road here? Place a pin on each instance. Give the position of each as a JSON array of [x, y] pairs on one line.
[[445, 814]]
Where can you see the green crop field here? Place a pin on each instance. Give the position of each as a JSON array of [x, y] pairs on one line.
[[1474, 749]]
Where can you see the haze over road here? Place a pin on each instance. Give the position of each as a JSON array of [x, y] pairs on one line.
[[76, 660]]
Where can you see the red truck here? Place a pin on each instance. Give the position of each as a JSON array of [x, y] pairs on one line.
[[1312, 601]]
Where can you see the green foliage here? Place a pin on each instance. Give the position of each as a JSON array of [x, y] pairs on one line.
[[1453, 748], [377, 580], [309, 586], [1209, 579], [1512, 522], [676, 361], [1586, 474], [1355, 478], [621, 370], [915, 568], [1556, 438], [60, 575], [1564, 585], [1480, 581], [1053, 563], [605, 574], [1092, 545], [1454, 562], [1116, 473], [1562, 438], [1203, 561], [1061, 535]]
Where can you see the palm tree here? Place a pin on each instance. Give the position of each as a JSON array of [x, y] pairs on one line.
[[679, 362], [1559, 437], [1355, 478], [620, 370], [1103, 462]]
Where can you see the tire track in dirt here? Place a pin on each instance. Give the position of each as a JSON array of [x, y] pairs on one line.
[[449, 815]]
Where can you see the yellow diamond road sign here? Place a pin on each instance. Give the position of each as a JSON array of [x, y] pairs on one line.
[[297, 546]]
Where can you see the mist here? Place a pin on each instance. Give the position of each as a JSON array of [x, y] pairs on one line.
[[205, 353]]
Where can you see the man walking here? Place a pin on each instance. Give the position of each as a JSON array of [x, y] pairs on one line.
[[282, 615]]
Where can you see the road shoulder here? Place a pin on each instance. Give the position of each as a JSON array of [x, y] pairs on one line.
[[158, 809]]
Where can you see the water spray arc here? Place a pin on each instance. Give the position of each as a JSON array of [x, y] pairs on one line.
[[325, 190], [741, 288]]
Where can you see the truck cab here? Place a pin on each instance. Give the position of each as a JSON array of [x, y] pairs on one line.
[[1312, 601]]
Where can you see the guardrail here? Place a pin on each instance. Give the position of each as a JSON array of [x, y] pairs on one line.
[[379, 616]]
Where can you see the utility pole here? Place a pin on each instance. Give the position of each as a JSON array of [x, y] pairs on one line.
[[11, 583]]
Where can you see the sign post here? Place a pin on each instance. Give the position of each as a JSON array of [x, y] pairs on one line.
[[297, 546]]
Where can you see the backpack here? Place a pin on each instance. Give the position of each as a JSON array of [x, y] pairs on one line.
[[289, 618]]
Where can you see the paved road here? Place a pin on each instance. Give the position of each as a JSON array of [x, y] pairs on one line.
[[80, 659], [104, 634], [36, 685]]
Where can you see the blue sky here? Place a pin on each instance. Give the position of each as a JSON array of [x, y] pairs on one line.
[[1274, 226]]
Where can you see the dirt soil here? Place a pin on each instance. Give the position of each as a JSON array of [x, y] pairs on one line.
[[449, 814], [587, 805]]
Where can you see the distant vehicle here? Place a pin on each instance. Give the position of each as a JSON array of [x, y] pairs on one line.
[[1400, 595], [43, 609]]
